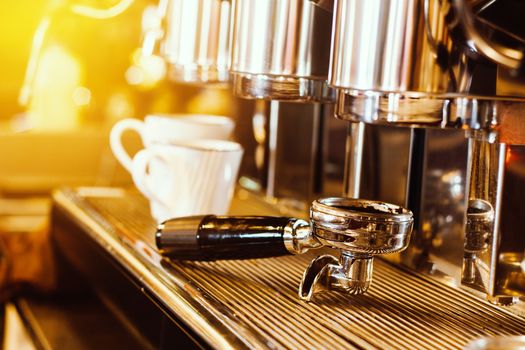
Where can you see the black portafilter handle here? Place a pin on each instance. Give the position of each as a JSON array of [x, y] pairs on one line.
[[210, 237]]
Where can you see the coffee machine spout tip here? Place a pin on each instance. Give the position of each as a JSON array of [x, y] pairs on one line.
[[316, 277], [350, 274]]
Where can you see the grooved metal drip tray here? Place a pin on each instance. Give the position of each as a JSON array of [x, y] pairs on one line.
[[254, 303]]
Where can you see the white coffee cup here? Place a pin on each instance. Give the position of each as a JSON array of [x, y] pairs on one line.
[[167, 129], [188, 178]]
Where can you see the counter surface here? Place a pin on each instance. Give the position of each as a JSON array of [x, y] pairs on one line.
[[254, 303]]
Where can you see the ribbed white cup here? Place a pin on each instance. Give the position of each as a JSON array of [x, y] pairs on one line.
[[188, 178]]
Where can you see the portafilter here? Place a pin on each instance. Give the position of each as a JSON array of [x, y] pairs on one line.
[[359, 228]]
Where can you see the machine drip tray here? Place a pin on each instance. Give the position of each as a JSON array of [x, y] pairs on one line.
[[254, 303]]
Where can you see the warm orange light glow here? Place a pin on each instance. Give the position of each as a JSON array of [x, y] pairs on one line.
[[55, 97], [508, 156], [147, 71], [101, 13], [120, 106], [88, 71]]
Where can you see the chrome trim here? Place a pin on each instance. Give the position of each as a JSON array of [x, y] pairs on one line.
[[283, 88], [253, 303], [361, 229], [354, 160], [383, 45], [408, 108], [351, 274], [273, 124], [197, 74], [280, 50], [183, 298], [351, 208], [495, 119], [196, 43], [298, 237], [361, 226], [506, 56]]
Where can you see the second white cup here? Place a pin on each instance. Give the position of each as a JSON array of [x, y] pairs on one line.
[[188, 178]]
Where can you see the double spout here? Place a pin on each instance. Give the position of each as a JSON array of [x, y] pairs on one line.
[[361, 229]]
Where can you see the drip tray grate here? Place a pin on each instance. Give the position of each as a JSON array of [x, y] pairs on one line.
[[400, 311]]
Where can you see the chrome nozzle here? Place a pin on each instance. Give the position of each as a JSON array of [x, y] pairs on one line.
[[361, 229]]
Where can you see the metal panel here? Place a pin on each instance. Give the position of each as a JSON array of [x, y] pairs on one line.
[[254, 303]]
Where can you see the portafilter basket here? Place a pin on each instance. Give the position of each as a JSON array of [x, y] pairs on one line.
[[359, 228]]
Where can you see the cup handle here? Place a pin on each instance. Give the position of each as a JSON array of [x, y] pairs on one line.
[[115, 140], [141, 177]]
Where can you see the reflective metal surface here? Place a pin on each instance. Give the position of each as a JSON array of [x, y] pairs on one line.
[[497, 117], [354, 160], [280, 50], [413, 63], [478, 237], [349, 274], [504, 55], [428, 64], [389, 46], [483, 213], [197, 40], [360, 228], [298, 238], [497, 343], [423, 64], [253, 303]]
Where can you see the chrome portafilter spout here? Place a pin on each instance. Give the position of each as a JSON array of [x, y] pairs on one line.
[[360, 228], [478, 234]]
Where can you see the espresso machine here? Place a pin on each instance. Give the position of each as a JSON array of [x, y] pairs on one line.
[[433, 94], [436, 66]]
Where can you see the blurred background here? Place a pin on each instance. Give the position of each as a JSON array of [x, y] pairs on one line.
[[18, 21], [70, 69]]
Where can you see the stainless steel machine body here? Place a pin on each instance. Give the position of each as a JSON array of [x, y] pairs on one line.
[[196, 40], [280, 50], [253, 304], [425, 64], [433, 68], [389, 46]]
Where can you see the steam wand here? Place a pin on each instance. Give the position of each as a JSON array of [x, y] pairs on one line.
[[360, 228]]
